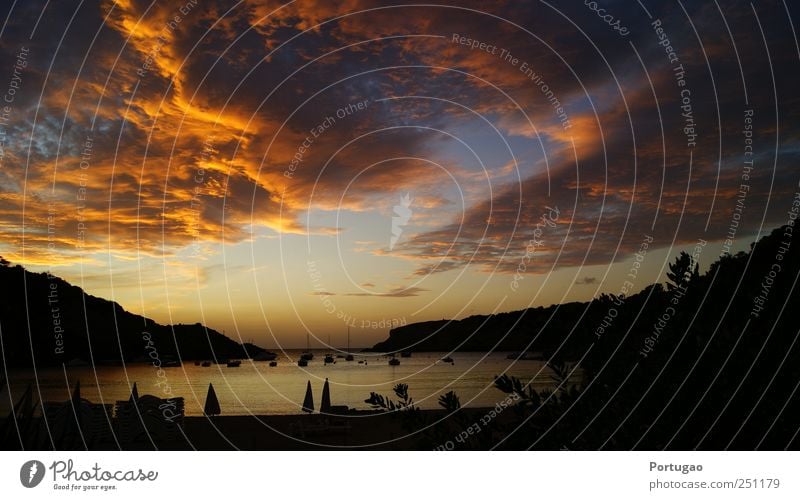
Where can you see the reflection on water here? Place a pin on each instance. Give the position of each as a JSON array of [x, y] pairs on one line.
[[256, 388]]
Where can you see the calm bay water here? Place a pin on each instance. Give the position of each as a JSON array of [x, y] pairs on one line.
[[258, 389]]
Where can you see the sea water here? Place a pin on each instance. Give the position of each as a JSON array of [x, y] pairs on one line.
[[255, 388]]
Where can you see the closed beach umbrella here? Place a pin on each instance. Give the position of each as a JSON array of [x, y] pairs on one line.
[[308, 402], [325, 405], [76, 403], [212, 404], [76, 394]]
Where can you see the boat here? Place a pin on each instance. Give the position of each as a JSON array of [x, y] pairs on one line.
[[448, 359], [329, 359], [234, 363], [302, 361], [405, 354], [172, 363], [273, 363], [265, 356], [349, 356], [307, 355], [394, 361], [205, 364]]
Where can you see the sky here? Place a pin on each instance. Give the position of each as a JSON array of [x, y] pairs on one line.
[[284, 172]]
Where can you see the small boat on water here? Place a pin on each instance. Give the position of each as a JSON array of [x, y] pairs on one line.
[[329, 359], [302, 361], [265, 356], [234, 363], [448, 359], [171, 364], [205, 364], [349, 356], [273, 363], [307, 355], [393, 361]]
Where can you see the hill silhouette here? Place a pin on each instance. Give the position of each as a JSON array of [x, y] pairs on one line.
[[47, 320], [568, 329]]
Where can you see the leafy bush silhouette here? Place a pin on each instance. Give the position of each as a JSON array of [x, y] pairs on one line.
[[721, 374]]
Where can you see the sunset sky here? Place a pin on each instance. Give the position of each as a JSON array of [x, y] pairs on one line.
[[272, 170]]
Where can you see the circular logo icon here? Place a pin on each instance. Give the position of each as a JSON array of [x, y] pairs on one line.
[[31, 473]]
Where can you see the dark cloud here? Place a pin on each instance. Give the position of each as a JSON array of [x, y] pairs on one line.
[[193, 133]]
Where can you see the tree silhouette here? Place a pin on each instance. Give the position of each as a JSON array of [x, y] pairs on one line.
[[681, 272]]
